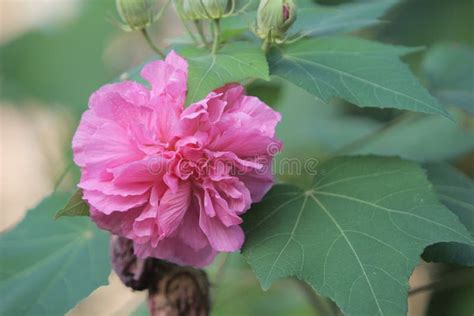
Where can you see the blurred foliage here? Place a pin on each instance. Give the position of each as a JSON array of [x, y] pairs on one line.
[[424, 22], [237, 292], [454, 294], [449, 68], [61, 65], [65, 64]]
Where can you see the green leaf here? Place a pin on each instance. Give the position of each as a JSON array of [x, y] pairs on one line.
[[318, 20], [47, 267], [366, 73], [76, 206], [63, 64], [234, 62], [449, 68], [456, 191], [325, 128], [355, 236]]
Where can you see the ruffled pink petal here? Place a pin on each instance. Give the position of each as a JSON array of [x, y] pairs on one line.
[[167, 115], [109, 188], [113, 203], [146, 228], [173, 207], [237, 196], [87, 127], [201, 116], [231, 93], [244, 142], [107, 145], [220, 237], [219, 202], [107, 101], [118, 223], [144, 171], [189, 231], [168, 77], [259, 181], [248, 111], [174, 250]]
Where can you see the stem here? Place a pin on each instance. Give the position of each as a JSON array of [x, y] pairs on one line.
[[217, 34], [266, 45], [449, 281], [61, 177], [200, 30], [151, 44], [185, 24], [221, 269], [373, 135], [190, 33], [267, 42]]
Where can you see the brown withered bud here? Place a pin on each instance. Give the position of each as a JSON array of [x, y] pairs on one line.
[[181, 291], [172, 290], [133, 272]]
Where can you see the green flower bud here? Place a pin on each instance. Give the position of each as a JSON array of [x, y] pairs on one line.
[[205, 9], [274, 18], [136, 14]]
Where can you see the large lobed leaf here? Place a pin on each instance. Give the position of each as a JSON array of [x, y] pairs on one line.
[[47, 267], [456, 191], [316, 20], [366, 73], [234, 62], [355, 236]]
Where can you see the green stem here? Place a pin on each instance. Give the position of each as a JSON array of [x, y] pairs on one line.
[[267, 42], [266, 45], [200, 30], [221, 268], [217, 34], [61, 177], [190, 33], [151, 44], [185, 24]]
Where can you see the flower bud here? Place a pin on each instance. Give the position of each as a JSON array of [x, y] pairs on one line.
[[133, 272], [274, 18], [204, 9], [136, 14]]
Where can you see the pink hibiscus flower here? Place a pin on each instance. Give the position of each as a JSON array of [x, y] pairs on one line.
[[174, 180]]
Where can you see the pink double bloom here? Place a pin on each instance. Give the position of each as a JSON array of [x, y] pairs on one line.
[[176, 181]]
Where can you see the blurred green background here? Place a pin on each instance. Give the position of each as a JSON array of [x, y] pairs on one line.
[[55, 53]]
